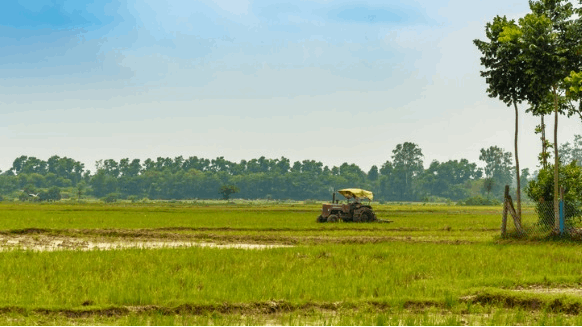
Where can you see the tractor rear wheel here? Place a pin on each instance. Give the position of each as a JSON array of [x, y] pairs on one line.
[[367, 215], [332, 219]]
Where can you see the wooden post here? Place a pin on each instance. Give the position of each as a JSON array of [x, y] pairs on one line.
[[511, 209], [504, 217]]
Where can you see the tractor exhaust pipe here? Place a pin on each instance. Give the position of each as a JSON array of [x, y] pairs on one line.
[[333, 198]]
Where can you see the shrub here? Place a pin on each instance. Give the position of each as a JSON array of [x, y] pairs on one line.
[[479, 201], [541, 191], [23, 197], [435, 199], [54, 194], [111, 198], [133, 198]]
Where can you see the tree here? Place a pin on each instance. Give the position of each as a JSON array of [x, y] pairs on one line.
[[505, 73], [54, 194], [386, 168], [80, 189], [498, 166], [551, 43], [227, 190], [488, 184], [447, 179], [373, 173], [407, 164]]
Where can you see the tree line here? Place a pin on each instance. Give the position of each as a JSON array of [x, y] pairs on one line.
[[401, 178]]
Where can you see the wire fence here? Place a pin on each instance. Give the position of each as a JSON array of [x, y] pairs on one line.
[[538, 221]]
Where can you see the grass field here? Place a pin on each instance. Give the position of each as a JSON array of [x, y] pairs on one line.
[[433, 265]]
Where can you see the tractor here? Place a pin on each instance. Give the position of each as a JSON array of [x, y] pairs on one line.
[[351, 211]]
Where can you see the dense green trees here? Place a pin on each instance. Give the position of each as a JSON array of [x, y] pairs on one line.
[[403, 178]]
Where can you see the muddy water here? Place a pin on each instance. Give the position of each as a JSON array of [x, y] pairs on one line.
[[49, 243]]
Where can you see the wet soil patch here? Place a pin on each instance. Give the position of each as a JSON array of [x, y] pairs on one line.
[[268, 307], [198, 235], [528, 300], [61, 242]]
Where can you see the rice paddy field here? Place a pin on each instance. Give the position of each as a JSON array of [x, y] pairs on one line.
[[218, 263]]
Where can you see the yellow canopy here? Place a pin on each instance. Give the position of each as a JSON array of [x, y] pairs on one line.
[[356, 193]]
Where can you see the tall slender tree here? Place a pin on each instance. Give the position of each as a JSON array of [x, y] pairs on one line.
[[550, 51], [505, 73]]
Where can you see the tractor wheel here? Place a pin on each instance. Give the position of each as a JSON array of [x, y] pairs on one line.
[[320, 219], [333, 219], [367, 215]]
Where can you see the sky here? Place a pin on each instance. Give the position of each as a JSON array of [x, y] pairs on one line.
[[328, 80]]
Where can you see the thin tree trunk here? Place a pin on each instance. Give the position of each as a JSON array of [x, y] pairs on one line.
[[556, 165], [544, 148], [517, 166]]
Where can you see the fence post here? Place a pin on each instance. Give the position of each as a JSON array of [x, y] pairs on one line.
[[562, 212], [504, 218]]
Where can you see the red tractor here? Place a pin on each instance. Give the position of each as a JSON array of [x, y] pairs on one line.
[[351, 211]]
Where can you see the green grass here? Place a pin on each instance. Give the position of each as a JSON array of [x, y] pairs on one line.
[[434, 265], [279, 217], [390, 272]]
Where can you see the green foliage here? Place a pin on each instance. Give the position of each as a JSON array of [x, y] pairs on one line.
[[227, 190], [373, 174], [574, 83], [407, 166], [504, 70], [571, 151], [498, 168], [488, 184], [479, 201], [449, 179], [541, 190], [54, 194], [401, 179], [133, 198], [111, 198], [23, 196]]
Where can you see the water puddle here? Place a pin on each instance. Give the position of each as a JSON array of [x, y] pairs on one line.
[[44, 243]]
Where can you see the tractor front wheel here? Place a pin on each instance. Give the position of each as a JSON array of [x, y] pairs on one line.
[[367, 215], [333, 219], [320, 219]]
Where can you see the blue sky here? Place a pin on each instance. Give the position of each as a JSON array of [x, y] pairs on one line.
[[334, 81]]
